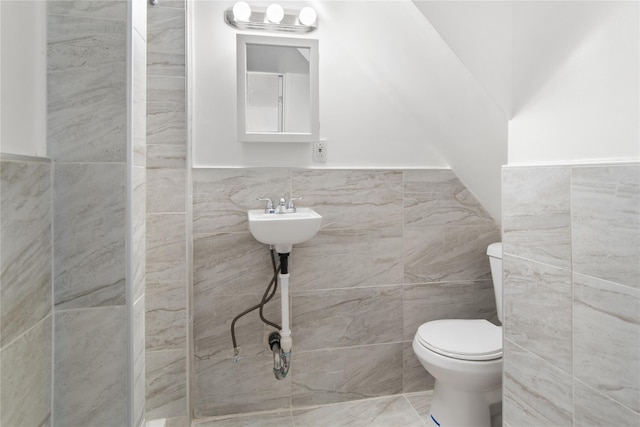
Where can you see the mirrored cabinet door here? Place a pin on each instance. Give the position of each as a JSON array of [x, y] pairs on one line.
[[277, 89]]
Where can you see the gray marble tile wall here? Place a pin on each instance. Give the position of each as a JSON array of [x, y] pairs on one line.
[[96, 140], [167, 270], [26, 292], [572, 295], [396, 249]]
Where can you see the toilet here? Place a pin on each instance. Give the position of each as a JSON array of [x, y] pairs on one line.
[[465, 358]]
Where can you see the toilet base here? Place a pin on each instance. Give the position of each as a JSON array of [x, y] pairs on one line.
[[458, 408]]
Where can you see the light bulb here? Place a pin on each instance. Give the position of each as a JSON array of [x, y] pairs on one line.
[[241, 11], [275, 13], [307, 16]]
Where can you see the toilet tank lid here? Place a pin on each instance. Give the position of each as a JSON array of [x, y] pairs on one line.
[[495, 250]]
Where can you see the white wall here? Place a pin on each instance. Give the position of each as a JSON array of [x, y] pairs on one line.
[[23, 79], [392, 95], [0, 77], [576, 75]]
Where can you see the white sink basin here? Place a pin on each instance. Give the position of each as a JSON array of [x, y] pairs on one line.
[[284, 230]]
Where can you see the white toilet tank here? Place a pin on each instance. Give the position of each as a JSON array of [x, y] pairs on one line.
[[495, 260]]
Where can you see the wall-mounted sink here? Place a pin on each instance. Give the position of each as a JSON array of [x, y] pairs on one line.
[[284, 230]]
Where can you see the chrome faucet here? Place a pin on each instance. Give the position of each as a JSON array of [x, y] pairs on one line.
[[282, 208]]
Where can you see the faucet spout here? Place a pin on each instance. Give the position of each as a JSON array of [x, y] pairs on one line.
[[282, 206]]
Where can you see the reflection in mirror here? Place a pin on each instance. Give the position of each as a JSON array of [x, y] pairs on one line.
[[264, 102], [277, 89], [277, 77]]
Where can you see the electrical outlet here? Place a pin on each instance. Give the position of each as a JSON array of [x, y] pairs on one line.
[[320, 151]]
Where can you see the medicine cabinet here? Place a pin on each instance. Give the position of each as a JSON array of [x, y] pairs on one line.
[[277, 89]]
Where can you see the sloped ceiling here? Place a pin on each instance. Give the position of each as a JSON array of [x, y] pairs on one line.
[[564, 72], [480, 34]]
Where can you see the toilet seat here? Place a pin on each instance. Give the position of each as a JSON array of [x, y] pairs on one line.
[[475, 339]]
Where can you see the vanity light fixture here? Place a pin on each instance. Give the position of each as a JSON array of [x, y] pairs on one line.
[[274, 18]]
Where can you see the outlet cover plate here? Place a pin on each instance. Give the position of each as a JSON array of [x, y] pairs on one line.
[[320, 151]]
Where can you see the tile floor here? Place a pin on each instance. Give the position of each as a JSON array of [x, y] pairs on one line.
[[403, 410]]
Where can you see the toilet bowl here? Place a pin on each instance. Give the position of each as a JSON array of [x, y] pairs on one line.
[[465, 358]]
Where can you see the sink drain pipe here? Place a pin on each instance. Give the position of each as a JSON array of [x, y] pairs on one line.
[[280, 342], [285, 331]]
